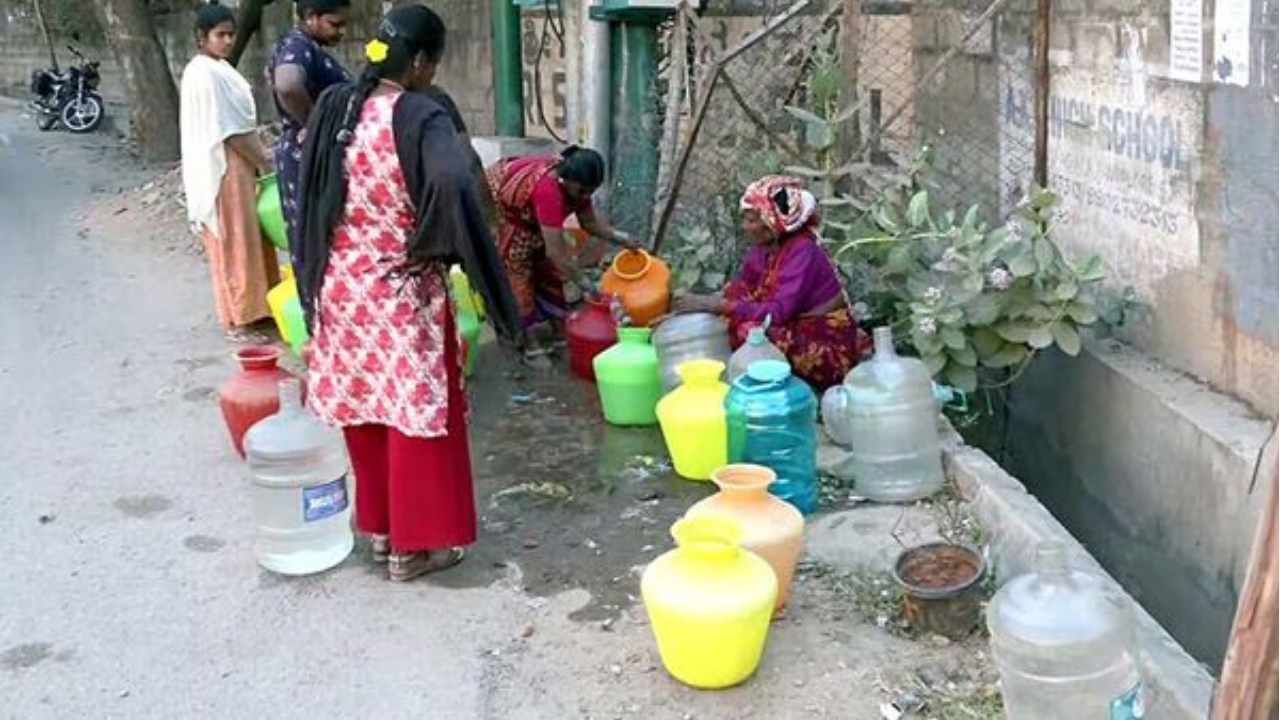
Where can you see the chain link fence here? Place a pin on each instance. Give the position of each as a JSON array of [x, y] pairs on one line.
[[846, 92]]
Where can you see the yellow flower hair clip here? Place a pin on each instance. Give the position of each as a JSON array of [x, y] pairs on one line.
[[376, 51]]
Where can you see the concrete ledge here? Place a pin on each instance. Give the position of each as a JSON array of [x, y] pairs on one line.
[[1153, 471], [1179, 687]]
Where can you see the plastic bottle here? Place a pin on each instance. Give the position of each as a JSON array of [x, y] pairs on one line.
[[773, 422], [301, 499], [757, 347], [885, 412], [1064, 645]]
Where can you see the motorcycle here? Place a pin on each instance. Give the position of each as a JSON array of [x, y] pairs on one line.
[[70, 97]]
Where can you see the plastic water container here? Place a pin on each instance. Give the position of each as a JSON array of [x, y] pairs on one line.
[[757, 347], [627, 379], [885, 412], [1064, 645], [693, 336], [301, 499], [772, 418]]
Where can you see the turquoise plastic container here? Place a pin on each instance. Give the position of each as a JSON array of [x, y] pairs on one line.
[[773, 421]]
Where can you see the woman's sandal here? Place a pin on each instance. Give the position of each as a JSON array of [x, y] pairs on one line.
[[380, 548], [407, 566]]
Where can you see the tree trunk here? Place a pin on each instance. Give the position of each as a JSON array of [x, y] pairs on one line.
[[148, 82], [248, 22]]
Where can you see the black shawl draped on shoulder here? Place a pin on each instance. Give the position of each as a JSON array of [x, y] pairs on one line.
[[440, 177]]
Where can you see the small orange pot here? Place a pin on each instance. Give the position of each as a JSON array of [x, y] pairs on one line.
[[642, 282]]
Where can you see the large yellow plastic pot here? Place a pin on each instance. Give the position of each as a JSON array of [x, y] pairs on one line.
[[709, 603], [693, 420]]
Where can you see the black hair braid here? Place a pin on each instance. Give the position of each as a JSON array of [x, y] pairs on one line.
[[364, 87]]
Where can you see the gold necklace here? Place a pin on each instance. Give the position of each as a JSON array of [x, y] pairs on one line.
[[392, 83]]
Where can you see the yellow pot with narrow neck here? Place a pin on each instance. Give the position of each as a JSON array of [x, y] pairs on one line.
[[709, 603]]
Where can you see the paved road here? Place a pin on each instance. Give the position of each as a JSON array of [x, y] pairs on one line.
[[128, 586]]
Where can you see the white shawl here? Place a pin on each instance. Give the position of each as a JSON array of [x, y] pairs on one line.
[[217, 103]]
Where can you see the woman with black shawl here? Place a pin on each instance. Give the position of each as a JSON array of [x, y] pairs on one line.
[[390, 200]]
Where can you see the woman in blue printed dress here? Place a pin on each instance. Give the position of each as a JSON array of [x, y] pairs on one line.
[[299, 71]]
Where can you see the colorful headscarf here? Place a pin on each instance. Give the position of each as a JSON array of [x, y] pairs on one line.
[[782, 202]]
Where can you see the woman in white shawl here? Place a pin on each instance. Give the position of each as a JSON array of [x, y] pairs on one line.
[[221, 157]]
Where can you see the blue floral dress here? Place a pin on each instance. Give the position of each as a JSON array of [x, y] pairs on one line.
[[322, 70]]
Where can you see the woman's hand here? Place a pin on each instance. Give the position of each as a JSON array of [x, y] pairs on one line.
[[625, 241]]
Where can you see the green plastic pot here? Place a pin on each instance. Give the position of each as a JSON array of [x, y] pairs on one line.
[[469, 327], [628, 380], [270, 213]]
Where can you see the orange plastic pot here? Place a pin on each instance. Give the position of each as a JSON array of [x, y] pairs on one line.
[[771, 528], [642, 282]]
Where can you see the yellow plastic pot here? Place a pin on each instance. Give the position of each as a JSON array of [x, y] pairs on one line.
[[464, 297], [286, 310], [693, 420], [709, 603]]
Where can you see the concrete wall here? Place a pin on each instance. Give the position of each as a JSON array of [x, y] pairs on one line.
[[1146, 449], [1170, 175]]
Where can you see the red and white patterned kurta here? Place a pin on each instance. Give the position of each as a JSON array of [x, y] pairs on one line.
[[378, 355]]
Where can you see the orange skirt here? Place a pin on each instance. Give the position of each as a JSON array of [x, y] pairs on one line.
[[242, 262]]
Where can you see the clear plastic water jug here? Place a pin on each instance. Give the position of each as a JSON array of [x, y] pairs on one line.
[[1064, 645], [886, 414], [301, 499], [757, 347], [773, 422]]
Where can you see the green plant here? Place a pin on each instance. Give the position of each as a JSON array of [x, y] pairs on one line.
[[704, 255], [973, 297]]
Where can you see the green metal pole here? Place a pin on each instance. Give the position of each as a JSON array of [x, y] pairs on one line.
[[636, 126], [508, 75]]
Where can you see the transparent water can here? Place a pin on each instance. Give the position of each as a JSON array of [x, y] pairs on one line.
[[301, 490], [757, 347], [1064, 645], [886, 414]]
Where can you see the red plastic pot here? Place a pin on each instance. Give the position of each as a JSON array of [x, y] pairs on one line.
[[253, 393], [591, 330]]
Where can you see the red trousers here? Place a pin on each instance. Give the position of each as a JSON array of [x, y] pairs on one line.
[[417, 490]]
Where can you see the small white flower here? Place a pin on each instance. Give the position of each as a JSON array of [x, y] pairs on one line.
[[933, 294], [927, 325], [1000, 278]]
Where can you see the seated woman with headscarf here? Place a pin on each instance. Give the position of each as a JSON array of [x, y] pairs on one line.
[[390, 200], [788, 278]]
